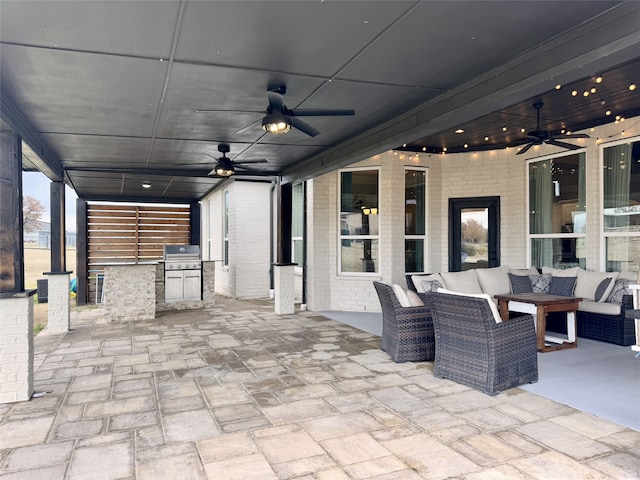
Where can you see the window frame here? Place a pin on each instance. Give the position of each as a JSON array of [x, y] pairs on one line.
[[603, 234], [341, 237], [225, 228], [424, 236], [552, 236], [299, 266]]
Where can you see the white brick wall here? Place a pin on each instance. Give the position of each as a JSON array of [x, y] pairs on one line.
[[59, 316], [492, 173], [16, 349], [248, 272]]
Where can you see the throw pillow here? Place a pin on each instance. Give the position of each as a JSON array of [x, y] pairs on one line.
[[401, 295], [431, 285], [414, 299], [620, 289], [562, 286], [520, 284], [418, 279], [540, 283], [602, 290]]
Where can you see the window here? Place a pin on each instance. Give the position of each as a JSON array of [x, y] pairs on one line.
[[297, 225], [359, 221], [414, 219], [621, 205], [225, 254], [557, 213]]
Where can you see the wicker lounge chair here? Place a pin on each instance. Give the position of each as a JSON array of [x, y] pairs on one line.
[[407, 332], [472, 349]]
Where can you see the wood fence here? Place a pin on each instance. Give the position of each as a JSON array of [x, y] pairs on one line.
[[119, 234]]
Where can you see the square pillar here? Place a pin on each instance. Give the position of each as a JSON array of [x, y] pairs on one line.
[[59, 302], [16, 346], [285, 287]]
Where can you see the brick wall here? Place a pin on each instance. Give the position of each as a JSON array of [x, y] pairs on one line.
[[16, 348], [248, 272], [491, 173]]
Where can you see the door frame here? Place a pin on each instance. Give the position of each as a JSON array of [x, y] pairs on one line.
[[456, 205]]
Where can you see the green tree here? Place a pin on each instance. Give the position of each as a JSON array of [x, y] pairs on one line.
[[32, 211]]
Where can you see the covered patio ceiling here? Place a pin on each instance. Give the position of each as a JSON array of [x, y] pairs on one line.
[[111, 95]]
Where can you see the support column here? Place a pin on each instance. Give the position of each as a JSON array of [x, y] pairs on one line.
[[59, 320], [16, 304], [16, 346], [285, 288], [58, 234]]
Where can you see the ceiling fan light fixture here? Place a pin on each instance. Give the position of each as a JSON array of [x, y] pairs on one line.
[[223, 171], [276, 123]]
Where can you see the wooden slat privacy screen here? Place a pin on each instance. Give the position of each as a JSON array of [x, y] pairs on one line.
[[131, 234]]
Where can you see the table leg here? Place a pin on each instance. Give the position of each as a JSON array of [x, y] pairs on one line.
[[541, 327], [504, 309], [571, 326]]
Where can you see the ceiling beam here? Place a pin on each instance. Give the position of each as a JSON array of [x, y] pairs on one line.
[[602, 43], [46, 161]]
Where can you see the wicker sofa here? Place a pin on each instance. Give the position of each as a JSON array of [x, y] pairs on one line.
[[604, 318]]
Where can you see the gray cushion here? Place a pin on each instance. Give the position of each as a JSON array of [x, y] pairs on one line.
[[603, 289], [520, 284], [414, 299], [620, 289], [562, 286], [430, 286], [540, 283]]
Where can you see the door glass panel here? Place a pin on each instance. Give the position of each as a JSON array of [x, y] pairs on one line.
[[474, 248]]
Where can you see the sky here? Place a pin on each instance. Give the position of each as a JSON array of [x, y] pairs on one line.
[[37, 185]]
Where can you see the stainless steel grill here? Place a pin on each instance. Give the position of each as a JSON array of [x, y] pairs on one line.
[[182, 257]]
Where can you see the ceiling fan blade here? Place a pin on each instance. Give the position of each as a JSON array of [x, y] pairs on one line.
[[525, 149], [573, 135], [248, 127], [242, 162], [276, 101], [319, 112], [223, 110], [304, 127], [569, 146]]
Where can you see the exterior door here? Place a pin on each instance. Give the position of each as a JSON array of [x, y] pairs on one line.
[[474, 233]]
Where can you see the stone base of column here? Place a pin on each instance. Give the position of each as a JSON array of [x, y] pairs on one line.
[[16, 346], [59, 320], [285, 287]]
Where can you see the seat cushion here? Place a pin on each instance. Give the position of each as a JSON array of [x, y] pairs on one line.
[[594, 285], [603, 308], [492, 305], [463, 282], [494, 281]]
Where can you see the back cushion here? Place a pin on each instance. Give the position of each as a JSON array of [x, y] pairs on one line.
[[494, 281], [561, 272], [525, 272], [463, 282], [492, 305], [401, 295], [590, 286]]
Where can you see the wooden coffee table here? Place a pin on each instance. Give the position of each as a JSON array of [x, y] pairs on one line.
[[538, 305]]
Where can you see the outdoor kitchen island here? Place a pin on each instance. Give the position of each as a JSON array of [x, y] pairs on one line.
[[136, 291]]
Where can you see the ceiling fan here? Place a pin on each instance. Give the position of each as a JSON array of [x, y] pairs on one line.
[[539, 136], [227, 167], [279, 119]]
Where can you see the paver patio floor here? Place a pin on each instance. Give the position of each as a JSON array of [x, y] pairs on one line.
[[238, 392]]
